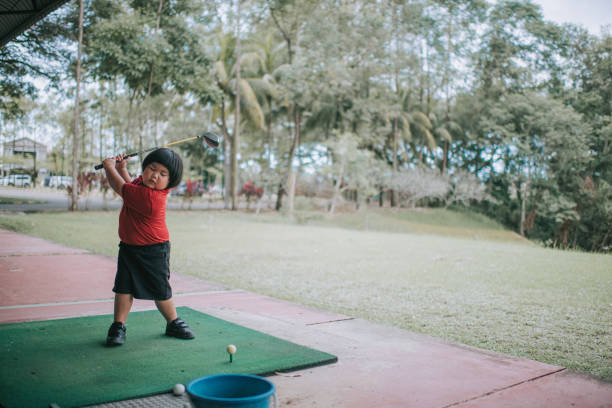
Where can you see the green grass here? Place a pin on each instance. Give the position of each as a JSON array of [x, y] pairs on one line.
[[451, 275], [19, 201], [422, 221]]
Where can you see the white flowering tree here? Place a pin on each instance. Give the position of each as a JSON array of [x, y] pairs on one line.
[[464, 187], [420, 182], [351, 168]]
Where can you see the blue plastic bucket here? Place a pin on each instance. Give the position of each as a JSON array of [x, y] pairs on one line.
[[231, 390]]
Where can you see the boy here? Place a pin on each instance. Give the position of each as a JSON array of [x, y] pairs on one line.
[[143, 268]]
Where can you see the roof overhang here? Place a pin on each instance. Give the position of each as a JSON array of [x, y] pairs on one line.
[[16, 16]]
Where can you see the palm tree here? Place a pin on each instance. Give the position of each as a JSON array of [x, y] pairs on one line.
[[225, 76], [409, 124], [262, 63], [444, 131]]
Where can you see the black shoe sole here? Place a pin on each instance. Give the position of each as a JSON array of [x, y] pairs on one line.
[[114, 342], [179, 336]]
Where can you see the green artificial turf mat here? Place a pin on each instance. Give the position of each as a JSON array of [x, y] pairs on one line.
[[65, 361]]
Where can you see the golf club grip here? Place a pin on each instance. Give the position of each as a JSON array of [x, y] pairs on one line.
[[99, 166]]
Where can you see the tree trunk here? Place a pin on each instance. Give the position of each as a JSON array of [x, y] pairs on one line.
[[227, 170], [287, 38], [150, 86], [269, 135], [445, 158], [524, 194], [392, 192], [234, 152], [294, 148], [447, 87], [75, 138], [395, 37], [336, 190]]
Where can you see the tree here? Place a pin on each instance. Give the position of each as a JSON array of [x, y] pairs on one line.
[[262, 63], [236, 136], [460, 18], [75, 138], [546, 149], [225, 73], [20, 60], [351, 168], [464, 188], [170, 59], [289, 17], [419, 183]]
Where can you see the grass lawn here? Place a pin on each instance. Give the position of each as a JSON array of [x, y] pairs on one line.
[[13, 200], [456, 276]]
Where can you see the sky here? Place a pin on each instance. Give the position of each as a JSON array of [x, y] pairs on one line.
[[591, 14]]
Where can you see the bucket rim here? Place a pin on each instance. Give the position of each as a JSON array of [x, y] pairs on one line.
[[237, 399]]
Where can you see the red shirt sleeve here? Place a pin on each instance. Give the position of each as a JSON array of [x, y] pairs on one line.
[[142, 220]]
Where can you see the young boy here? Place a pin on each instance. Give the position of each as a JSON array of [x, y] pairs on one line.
[[143, 268]]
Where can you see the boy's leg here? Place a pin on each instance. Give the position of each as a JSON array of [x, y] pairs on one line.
[[123, 305], [175, 327], [117, 331], [167, 309]]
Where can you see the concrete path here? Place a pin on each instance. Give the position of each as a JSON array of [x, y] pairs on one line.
[[378, 365]]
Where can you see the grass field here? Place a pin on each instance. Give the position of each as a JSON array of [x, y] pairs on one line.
[[456, 276], [12, 200]]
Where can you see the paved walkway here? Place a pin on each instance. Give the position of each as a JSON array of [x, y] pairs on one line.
[[378, 366]]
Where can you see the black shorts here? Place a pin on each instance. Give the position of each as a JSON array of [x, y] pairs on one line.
[[144, 271]]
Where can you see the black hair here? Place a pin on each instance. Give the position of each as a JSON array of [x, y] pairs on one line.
[[171, 160]]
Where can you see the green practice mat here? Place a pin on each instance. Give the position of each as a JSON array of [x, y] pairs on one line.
[[65, 361]]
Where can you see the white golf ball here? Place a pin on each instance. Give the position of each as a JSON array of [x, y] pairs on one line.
[[178, 389], [231, 349]]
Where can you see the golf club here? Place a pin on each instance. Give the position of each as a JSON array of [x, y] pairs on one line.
[[209, 138]]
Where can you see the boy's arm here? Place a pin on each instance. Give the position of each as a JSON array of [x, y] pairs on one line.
[[121, 166], [113, 173]]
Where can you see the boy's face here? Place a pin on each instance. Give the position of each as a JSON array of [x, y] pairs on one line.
[[156, 176]]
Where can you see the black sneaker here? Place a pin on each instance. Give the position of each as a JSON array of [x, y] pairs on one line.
[[179, 329], [116, 334]]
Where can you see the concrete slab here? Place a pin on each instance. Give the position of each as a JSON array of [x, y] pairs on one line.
[[252, 303], [42, 279], [560, 390], [381, 366], [33, 279], [14, 244]]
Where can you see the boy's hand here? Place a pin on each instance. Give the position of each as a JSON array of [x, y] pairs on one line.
[[121, 162], [116, 171], [109, 163]]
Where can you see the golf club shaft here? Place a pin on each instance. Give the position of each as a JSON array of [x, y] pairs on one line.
[[99, 166]]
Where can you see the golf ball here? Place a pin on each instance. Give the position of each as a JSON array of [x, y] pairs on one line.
[[231, 349], [178, 389]]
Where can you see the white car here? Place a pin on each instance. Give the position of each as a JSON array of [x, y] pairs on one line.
[[60, 182], [20, 180]]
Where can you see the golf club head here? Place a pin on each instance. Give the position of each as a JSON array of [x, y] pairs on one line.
[[210, 139]]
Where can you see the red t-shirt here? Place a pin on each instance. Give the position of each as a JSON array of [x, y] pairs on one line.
[[142, 220]]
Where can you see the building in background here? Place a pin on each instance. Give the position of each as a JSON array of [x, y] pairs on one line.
[[23, 155], [25, 147]]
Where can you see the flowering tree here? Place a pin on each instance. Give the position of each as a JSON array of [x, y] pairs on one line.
[[465, 186], [351, 169], [418, 183]]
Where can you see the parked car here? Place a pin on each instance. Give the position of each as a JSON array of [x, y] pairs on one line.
[[20, 180], [59, 181], [4, 181]]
